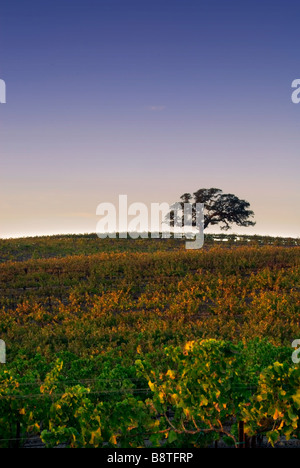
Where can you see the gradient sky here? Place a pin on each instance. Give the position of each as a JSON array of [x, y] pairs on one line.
[[149, 98]]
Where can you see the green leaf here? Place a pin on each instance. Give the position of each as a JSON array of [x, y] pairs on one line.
[[172, 436]]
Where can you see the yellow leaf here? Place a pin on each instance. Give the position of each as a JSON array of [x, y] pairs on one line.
[[151, 385], [171, 374], [113, 439], [161, 397]]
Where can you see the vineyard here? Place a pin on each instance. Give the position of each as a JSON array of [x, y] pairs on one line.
[[141, 343]]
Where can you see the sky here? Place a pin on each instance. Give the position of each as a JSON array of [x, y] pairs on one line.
[[148, 98]]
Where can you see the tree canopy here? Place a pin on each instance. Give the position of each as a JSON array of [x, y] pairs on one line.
[[223, 209]]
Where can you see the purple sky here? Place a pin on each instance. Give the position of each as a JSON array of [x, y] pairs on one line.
[[150, 99]]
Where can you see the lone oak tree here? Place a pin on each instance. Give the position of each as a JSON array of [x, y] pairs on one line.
[[220, 208]]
